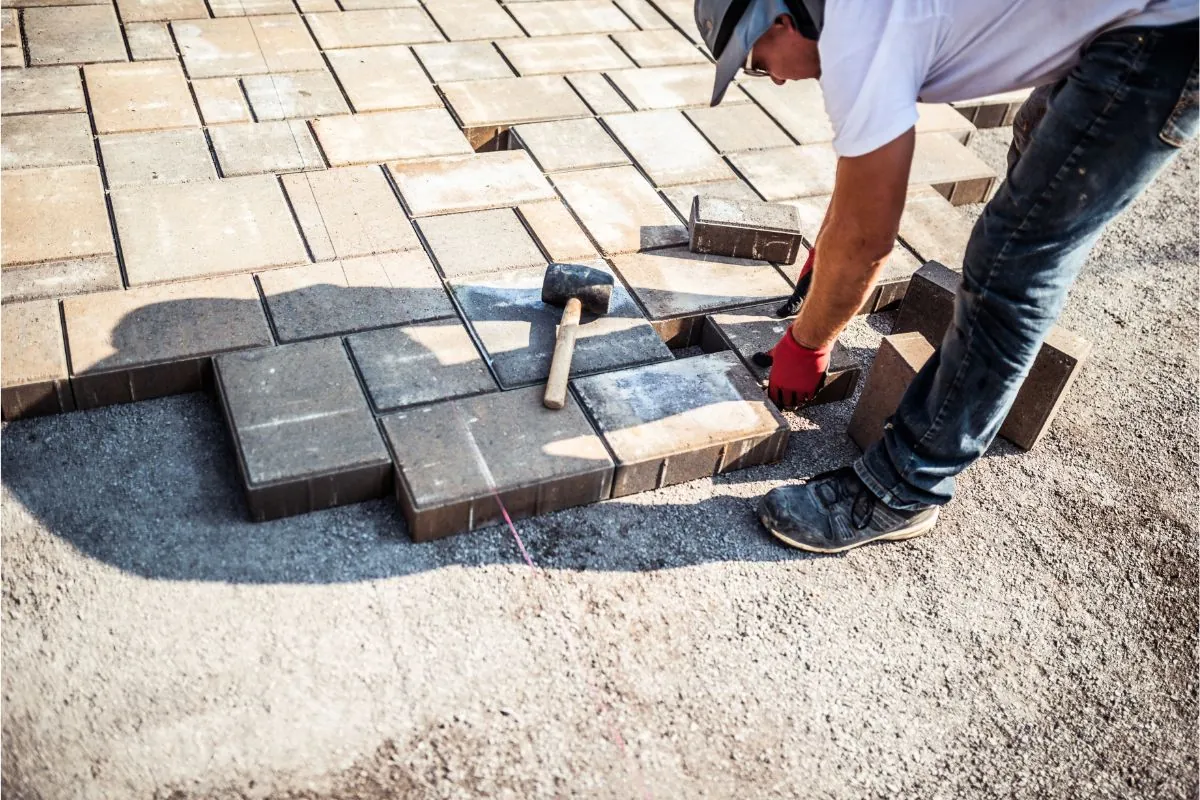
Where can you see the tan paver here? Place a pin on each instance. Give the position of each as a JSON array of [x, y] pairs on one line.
[[149, 41], [668, 148], [557, 231], [659, 48], [60, 278], [179, 156], [33, 361], [680, 197], [216, 48], [598, 93], [366, 5], [558, 55], [377, 27], [256, 147], [685, 86], [41, 89], [468, 20], [943, 118], [789, 172], [509, 101], [933, 228], [12, 53], [620, 209], [644, 15], [940, 159], [221, 100], [47, 140], [570, 16], [569, 144], [53, 214], [349, 211], [389, 135], [73, 35], [736, 129], [12, 56], [316, 6], [176, 232], [147, 95], [479, 242], [161, 10], [470, 182], [680, 12], [798, 107], [383, 78], [249, 8], [462, 61], [292, 95]]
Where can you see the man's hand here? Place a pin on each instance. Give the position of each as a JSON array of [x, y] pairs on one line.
[[796, 372]]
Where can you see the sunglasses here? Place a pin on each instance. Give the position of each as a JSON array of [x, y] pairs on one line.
[[749, 69]]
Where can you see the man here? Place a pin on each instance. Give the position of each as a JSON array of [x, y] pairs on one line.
[[1118, 100]]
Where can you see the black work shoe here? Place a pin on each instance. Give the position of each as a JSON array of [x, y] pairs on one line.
[[835, 511]]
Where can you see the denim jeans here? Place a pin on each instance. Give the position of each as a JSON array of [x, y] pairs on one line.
[[1108, 128]]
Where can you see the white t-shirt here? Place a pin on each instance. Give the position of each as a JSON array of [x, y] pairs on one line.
[[878, 57]]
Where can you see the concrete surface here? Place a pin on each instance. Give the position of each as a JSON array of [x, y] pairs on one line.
[[1040, 643]]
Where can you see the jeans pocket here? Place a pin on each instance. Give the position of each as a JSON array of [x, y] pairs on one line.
[[1180, 126]]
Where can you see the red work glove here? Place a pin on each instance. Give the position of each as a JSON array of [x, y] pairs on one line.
[[796, 372]]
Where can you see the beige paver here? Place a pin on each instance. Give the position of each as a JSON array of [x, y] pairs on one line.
[[685, 86], [798, 106], [943, 118], [676, 283], [570, 16], [680, 197], [462, 61], [659, 48], [178, 156], [470, 182], [558, 55], [389, 135], [53, 214], [256, 147], [940, 159], [680, 12], [509, 101], [147, 95], [736, 129], [216, 48], [620, 209], [47, 140], [12, 56], [557, 231], [221, 100], [598, 93], [292, 95], [569, 144], [468, 20], [383, 78], [249, 8], [161, 10], [60, 278], [349, 211], [33, 361], [149, 41], [12, 52], [73, 35], [668, 148], [316, 6], [644, 15], [41, 89], [478, 242], [933, 228], [789, 172], [190, 230], [366, 5], [376, 27]]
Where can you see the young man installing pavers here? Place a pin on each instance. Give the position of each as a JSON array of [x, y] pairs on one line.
[[1117, 101]]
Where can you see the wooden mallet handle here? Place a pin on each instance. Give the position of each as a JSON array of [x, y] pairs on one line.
[[564, 348]]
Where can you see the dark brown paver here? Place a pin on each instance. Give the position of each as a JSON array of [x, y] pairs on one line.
[[746, 229], [899, 359]]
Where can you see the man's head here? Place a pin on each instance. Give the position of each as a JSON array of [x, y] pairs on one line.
[[772, 37]]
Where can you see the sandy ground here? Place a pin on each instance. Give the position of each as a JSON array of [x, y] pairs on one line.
[[1041, 643]]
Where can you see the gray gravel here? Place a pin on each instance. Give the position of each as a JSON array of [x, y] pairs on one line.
[[1041, 643]]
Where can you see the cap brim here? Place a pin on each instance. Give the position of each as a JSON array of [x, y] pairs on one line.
[[754, 23]]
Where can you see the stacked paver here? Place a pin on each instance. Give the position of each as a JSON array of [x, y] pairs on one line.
[[346, 206]]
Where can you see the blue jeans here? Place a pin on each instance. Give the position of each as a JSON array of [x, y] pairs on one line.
[[1108, 128]]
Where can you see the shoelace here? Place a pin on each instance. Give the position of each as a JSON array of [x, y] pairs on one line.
[[862, 504]]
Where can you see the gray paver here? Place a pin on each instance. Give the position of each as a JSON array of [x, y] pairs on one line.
[[60, 277], [73, 35], [788, 172], [517, 330], [177, 156], [377, 27], [557, 231], [685, 86], [798, 106], [293, 95], [143, 96], [389, 135], [569, 144], [558, 55], [620, 209], [304, 435], [643, 15], [41, 89], [659, 48], [253, 148], [933, 229], [417, 364], [470, 182], [34, 368], [140, 343], [468, 20], [462, 61], [668, 148], [570, 16], [53, 214], [149, 41], [480, 242], [508, 101], [735, 129], [741, 229], [47, 140], [383, 78], [349, 211], [899, 359], [221, 100], [682, 420], [598, 93], [680, 197], [214, 48]]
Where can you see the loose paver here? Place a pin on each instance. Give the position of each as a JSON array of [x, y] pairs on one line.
[[53, 214], [500, 102], [897, 362], [304, 435], [422, 363], [598, 93], [253, 148], [933, 229], [470, 182], [558, 55], [41, 89], [459, 467], [462, 61], [336, 297], [659, 48], [349, 211], [470, 20], [374, 27], [668, 148], [47, 140], [152, 341], [221, 100], [389, 135], [960, 175], [149, 41], [73, 35], [383, 78], [928, 306], [518, 331], [161, 10], [682, 420], [34, 361], [480, 241], [741, 229], [680, 197], [143, 96], [557, 231], [215, 48], [179, 231], [177, 156], [294, 95], [569, 144], [684, 86], [789, 172], [620, 209], [570, 16], [735, 129]]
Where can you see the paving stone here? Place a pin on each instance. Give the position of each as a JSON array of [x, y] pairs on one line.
[[812, 214], [41, 89], [992, 111], [458, 463], [899, 359], [73, 35], [517, 330], [644, 15], [149, 41], [467, 20], [683, 420], [366, 5], [34, 361], [12, 53], [570, 16], [462, 61], [315, 6], [569, 144], [680, 197], [294, 95], [598, 93], [178, 156], [739, 229], [558, 55], [417, 364], [956, 172], [136, 344], [53, 214], [681, 15], [383, 78], [377, 27], [659, 48], [304, 435], [798, 107], [389, 135], [736, 129], [933, 229], [216, 48], [180, 231], [256, 147], [349, 211], [620, 209], [668, 148], [161, 10], [47, 140], [928, 306], [61, 277], [942, 118], [248, 8], [685, 86], [221, 101], [501, 102], [144, 96], [470, 182], [479, 242], [356, 294], [789, 172], [893, 281], [557, 231], [12, 56]]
